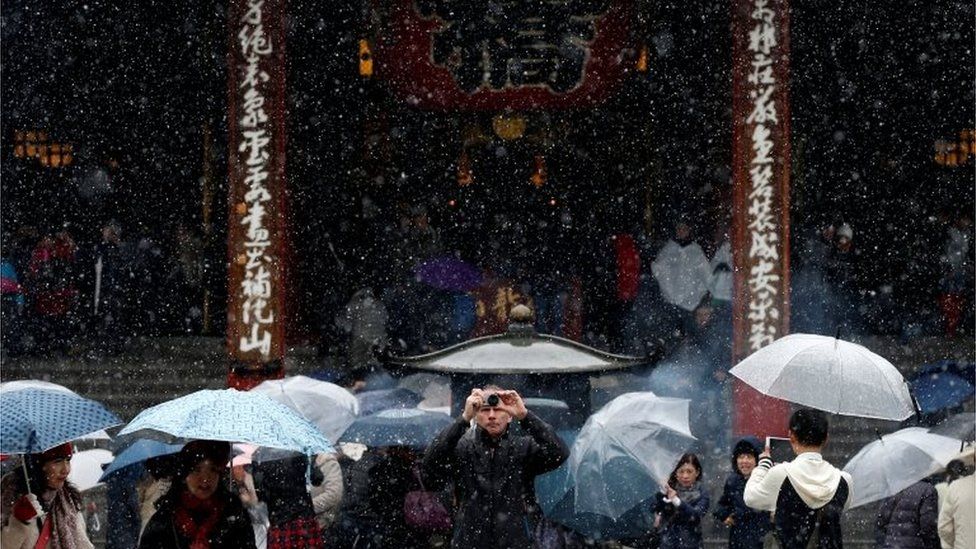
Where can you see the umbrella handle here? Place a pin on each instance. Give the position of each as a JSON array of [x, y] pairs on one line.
[[26, 474], [23, 462]]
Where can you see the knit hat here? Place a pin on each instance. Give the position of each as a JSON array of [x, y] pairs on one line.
[[58, 452], [196, 451], [746, 445], [845, 231]]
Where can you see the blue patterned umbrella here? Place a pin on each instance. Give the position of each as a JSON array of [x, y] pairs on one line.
[[397, 427], [35, 420], [228, 415]]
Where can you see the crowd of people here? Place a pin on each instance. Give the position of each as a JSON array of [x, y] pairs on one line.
[[473, 486], [69, 289], [74, 292]]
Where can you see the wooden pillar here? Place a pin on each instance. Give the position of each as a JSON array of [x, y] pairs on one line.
[[256, 236], [761, 198]]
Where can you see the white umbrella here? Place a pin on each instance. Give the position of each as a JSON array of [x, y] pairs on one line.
[[21, 384], [828, 374], [328, 406], [625, 452], [86, 468], [896, 461]]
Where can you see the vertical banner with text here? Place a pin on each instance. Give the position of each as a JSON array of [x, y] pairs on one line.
[[256, 233], [761, 198]]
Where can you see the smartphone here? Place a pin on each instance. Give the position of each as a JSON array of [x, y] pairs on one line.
[[780, 449]]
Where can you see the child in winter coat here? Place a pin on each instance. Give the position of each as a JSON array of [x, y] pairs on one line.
[[747, 527]]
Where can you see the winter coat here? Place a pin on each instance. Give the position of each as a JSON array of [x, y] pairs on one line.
[[749, 526], [19, 535], [280, 483], [232, 531], [957, 519], [909, 519], [494, 479], [327, 496], [680, 525], [720, 283], [683, 274], [796, 492], [15, 534]]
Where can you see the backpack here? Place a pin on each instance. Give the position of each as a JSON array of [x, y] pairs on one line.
[[800, 527], [423, 510]]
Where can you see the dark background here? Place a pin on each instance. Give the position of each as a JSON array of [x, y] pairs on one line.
[[873, 86]]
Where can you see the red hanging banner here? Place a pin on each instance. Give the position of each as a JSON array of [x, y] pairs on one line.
[[442, 54], [256, 229], [761, 201]]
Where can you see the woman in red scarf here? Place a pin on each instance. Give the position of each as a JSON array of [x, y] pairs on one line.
[[43, 509], [199, 512]]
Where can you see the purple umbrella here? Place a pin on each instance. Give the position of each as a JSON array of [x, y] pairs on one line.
[[449, 273]]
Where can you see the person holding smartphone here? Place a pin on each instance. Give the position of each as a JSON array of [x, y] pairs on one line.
[[681, 505], [806, 495]]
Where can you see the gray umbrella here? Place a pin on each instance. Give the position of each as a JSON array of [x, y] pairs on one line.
[[959, 426]]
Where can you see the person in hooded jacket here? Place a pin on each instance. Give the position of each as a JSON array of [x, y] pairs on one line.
[[493, 470], [280, 483], [42, 504], [682, 506], [909, 519], [199, 512], [747, 527], [806, 495]]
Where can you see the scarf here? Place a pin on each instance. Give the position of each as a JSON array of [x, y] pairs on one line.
[[62, 508], [689, 495], [195, 518]]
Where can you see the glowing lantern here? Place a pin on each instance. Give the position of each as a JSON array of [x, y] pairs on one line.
[[539, 174], [365, 58]]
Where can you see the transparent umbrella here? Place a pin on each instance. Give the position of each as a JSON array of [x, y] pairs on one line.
[[326, 405], [625, 452], [829, 374], [896, 461], [86, 468]]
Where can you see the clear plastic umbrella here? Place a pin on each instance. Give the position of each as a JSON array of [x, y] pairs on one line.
[[326, 405], [625, 452], [896, 461], [86, 468], [828, 374]]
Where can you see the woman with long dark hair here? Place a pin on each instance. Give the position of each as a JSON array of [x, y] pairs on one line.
[[682, 505], [199, 511], [40, 507]]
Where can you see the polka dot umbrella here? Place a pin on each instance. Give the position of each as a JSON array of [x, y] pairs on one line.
[[35, 420]]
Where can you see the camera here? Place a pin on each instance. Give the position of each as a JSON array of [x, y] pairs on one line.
[[492, 400]]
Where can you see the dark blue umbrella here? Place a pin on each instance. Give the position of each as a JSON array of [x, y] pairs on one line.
[[138, 452], [449, 273], [371, 402], [937, 390], [397, 427], [965, 370], [35, 420]]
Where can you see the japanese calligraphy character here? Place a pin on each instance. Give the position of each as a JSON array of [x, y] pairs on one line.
[[259, 340], [513, 43]]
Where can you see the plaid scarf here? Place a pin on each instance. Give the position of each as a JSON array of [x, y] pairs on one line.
[[195, 518]]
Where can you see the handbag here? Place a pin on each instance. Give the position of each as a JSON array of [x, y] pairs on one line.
[[423, 510]]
